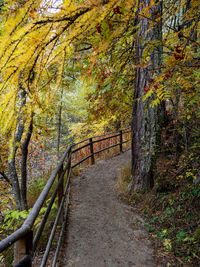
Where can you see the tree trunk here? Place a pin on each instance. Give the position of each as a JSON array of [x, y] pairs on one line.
[[59, 125], [13, 172], [24, 148], [143, 116], [13, 150]]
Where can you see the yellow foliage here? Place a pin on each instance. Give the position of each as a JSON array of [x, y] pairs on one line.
[[167, 243]]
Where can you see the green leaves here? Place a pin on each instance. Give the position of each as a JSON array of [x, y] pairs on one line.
[[180, 236], [13, 219], [105, 28]]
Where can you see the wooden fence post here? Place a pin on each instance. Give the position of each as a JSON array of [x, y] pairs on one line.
[[92, 151], [121, 140], [60, 192], [23, 247]]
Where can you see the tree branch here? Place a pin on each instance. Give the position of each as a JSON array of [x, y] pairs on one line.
[[64, 18], [5, 177]]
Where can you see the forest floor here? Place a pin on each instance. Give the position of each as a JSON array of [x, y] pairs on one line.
[[102, 230]]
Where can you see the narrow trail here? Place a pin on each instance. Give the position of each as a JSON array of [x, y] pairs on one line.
[[102, 231]]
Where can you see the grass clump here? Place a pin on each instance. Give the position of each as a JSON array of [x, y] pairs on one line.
[[123, 182]]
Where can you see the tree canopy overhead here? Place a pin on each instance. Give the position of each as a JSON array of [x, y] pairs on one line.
[[106, 46], [36, 36]]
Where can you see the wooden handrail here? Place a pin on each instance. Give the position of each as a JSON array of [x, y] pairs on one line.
[[97, 136], [64, 165]]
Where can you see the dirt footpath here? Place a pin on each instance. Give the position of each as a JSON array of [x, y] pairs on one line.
[[102, 231]]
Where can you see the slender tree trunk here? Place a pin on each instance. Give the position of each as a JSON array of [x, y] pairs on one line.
[[144, 116], [13, 150], [24, 148], [59, 125]]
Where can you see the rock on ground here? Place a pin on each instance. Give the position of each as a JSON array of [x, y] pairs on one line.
[[102, 231]]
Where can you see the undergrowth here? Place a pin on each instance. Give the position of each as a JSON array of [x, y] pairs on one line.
[[12, 219], [172, 212], [123, 183]]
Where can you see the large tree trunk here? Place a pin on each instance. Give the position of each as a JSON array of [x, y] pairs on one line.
[[144, 117]]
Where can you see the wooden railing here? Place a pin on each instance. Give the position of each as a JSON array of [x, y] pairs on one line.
[[24, 239]]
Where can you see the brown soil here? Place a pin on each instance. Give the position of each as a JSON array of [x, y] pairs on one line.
[[102, 231]]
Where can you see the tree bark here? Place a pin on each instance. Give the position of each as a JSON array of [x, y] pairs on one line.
[[144, 116], [13, 172], [13, 150], [24, 149], [59, 125]]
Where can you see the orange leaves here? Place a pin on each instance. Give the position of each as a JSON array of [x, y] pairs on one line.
[[178, 54], [151, 4], [98, 27], [151, 85], [145, 12], [146, 89], [117, 10], [88, 71], [33, 13]]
